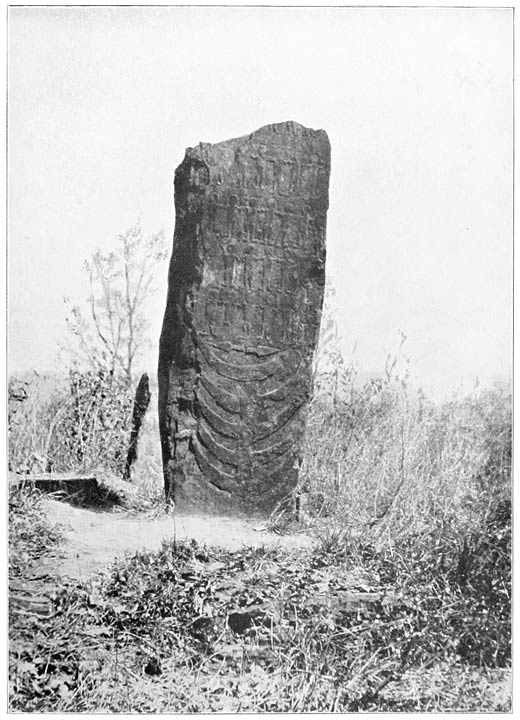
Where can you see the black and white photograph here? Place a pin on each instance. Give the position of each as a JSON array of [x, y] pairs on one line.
[[259, 373]]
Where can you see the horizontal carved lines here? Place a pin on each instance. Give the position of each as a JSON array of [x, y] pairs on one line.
[[250, 372]]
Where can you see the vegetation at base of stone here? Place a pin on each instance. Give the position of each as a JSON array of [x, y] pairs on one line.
[[348, 626], [404, 605]]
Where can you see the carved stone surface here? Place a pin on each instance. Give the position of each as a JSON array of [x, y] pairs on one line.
[[245, 293]]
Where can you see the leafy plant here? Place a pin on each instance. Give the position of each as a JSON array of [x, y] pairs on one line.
[[110, 337]]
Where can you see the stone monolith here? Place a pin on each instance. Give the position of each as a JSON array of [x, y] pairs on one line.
[[141, 403], [245, 292]]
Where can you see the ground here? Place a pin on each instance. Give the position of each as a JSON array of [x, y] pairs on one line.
[[119, 610], [93, 539]]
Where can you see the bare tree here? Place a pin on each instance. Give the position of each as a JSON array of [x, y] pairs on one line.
[[112, 334]]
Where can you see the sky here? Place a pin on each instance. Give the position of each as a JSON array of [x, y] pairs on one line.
[[417, 103]]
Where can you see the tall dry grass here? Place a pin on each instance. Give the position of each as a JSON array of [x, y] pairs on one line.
[[71, 423], [382, 458], [420, 492]]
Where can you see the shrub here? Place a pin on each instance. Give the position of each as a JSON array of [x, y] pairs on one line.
[[35, 404], [72, 426], [95, 429]]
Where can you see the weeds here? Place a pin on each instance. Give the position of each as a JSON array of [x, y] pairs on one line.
[[72, 426], [83, 426], [190, 628], [404, 604], [385, 464], [31, 537]]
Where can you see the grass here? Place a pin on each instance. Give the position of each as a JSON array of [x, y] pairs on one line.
[[381, 456], [337, 628], [68, 423], [404, 603], [72, 425]]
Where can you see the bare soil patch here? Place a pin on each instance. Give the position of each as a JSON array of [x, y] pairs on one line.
[[93, 539]]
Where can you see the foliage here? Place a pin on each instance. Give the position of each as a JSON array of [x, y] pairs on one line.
[[112, 335], [82, 422], [343, 627], [423, 493], [96, 425], [76, 425], [378, 456], [35, 404], [404, 603], [31, 536]]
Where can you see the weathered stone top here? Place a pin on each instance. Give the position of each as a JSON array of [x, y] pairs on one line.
[[271, 166], [284, 129]]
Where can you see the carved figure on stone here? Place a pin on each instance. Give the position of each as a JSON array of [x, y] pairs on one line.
[[245, 292]]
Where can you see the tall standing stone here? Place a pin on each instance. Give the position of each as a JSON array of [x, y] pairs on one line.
[[242, 319]]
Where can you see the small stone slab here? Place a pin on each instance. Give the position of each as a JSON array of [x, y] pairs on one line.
[[51, 482]]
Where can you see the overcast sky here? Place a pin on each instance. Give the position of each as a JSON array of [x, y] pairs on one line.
[[417, 104]]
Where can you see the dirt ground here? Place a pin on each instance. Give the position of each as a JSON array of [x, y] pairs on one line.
[[93, 539]]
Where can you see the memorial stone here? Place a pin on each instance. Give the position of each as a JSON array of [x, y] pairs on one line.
[[245, 292]]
